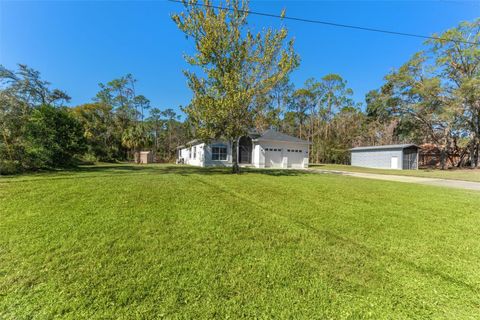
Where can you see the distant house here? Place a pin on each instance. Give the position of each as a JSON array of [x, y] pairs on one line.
[[270, 149], [396, 156]]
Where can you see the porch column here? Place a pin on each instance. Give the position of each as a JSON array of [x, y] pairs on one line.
[[238, 151]]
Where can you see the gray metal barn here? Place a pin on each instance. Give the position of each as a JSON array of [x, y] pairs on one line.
[[395, 156]]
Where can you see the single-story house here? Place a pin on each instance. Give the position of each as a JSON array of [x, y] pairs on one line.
[[270, 149], [395, 156]]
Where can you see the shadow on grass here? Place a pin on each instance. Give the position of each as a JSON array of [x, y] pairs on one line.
[[184, 170], [110, 170]]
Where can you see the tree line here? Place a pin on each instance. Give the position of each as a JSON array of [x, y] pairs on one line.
[[39, 132], [243, 84]]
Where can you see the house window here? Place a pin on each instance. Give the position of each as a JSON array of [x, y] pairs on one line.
[[194, 152], [219, 153]]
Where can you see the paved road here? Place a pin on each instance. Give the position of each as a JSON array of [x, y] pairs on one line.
[[459, 184]]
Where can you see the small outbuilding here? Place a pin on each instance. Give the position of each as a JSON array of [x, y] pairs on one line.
[[394, 156], [145, 157]]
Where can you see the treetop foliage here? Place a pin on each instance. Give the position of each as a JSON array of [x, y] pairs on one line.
[[239, 67]]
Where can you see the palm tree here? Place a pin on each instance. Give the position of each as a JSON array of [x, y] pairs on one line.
[[135, 138]]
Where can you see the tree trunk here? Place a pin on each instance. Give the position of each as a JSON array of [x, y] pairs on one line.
[[477, 140], [477, 146], [156, 143], [472, 155], [442, 158], [235, 166], [462, 157], [7, 146]]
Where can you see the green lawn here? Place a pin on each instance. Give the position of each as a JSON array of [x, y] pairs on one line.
[[157, 241], [453, 174]]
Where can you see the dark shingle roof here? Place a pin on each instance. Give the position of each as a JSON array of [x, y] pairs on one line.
[[274, 135], [270, 135], [390, 146]]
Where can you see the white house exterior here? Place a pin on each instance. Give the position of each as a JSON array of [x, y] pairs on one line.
[[397, 156], [271, 149]]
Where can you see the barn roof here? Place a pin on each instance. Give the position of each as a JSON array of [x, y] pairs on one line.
[[390, 146]]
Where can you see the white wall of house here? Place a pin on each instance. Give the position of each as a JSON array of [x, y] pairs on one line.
[[193, 155], [184, 154], [258, 158], [214, 156]]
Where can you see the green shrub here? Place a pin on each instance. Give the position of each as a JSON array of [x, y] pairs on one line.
[[8, 167], [54, 138]]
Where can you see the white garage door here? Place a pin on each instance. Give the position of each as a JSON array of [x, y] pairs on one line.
[[273, 157], [295, 158]]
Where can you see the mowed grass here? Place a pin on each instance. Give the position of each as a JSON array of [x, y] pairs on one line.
[[161, 241], [451, 174]]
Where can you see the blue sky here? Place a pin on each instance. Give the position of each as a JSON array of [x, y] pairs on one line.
[[76, 45]]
